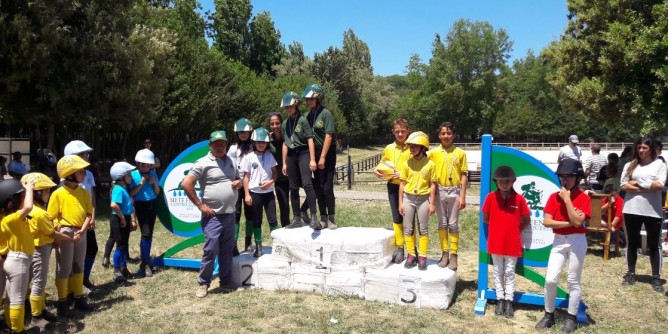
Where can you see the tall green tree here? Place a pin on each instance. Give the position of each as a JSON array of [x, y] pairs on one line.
[[350, 72], [266, 49], [611, 62], [461, 80], [229, 28]]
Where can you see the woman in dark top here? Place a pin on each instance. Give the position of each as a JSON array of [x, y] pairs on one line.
[[282, 185]]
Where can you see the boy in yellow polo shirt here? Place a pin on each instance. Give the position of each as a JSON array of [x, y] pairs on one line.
[[451, 168], [43, 233], [394, 155], [71, 208], [418, 189]]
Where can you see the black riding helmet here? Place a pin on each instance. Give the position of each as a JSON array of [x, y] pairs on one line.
[[571, 167], [504, 173], [8, 189]]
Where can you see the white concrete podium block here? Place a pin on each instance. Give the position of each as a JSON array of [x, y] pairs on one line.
[[345, 248], [242, 268], [305, 279], [345, 283], [271, 274], [433, 287]]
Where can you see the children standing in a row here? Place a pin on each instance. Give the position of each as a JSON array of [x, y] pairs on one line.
[[451, 175], [298, 159]]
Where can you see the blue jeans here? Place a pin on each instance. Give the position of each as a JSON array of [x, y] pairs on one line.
[[219, 242]]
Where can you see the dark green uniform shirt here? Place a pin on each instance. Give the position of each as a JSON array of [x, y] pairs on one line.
[[296, 131], [322, 122], [276, 149]]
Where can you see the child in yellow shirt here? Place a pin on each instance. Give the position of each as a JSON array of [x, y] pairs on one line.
[[418, 187], [43, 233], [71, 208], [17, 248], [451, 168], [394, 155]]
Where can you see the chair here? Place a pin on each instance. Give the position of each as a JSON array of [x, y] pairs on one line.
[[594, 224]]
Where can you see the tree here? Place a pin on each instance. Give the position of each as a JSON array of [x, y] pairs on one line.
[[350, 72], [74, 66], [531, 105], [462, 75], [229, 28], [294, 63], [610, 62], [266, 49]]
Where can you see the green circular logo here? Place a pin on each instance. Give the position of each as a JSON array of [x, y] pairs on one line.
[[176, 212]]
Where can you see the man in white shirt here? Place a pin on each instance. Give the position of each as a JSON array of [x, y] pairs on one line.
[[570, 151]]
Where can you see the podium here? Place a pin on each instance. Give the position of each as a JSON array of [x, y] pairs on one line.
[[349, 261]]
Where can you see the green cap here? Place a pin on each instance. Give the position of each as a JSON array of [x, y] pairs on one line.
[[217, 135]]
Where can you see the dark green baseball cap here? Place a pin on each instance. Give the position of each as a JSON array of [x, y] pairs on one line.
[[217, 135]]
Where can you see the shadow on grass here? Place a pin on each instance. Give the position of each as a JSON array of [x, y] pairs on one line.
[[599, 253], [463, 285], [75, 321]]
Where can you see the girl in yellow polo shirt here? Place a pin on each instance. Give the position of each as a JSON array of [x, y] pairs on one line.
[[15, 205], [43, 233], [394, 155], [418, 186], [71, 208]]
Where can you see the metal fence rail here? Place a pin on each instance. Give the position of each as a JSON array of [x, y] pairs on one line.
[[347, 171]]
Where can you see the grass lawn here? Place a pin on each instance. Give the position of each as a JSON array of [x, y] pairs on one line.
[[166, 303]]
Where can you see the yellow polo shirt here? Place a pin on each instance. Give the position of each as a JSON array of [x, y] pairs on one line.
[[16, 232], [395, 155], [41, 226], [450, 165], [69, 207], [418, 175]]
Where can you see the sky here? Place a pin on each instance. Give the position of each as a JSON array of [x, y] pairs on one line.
[[394, 30]]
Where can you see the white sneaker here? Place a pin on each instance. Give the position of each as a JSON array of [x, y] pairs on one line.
[[202, 291]]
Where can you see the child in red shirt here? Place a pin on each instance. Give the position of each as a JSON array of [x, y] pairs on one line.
[[565, 212], [617, 203], [507, 214]]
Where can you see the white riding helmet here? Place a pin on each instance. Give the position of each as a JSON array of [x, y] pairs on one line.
[[77, 147], [145, 156], [120, 169]]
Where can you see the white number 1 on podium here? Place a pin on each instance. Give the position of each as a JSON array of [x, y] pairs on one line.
[[323, 254]]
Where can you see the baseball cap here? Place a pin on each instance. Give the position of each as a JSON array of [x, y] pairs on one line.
[[573, 139], [217, 135]]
